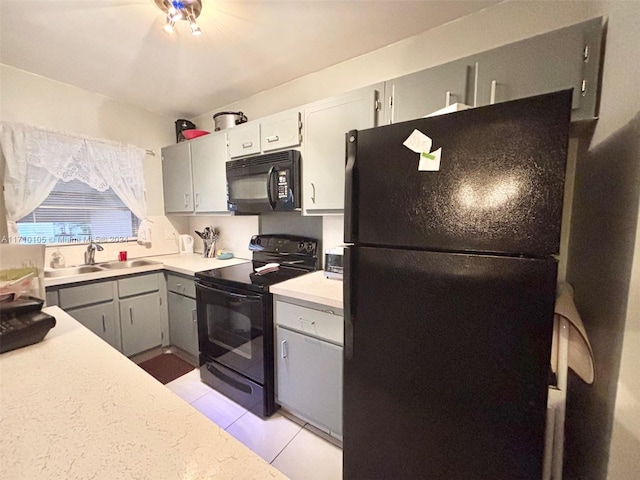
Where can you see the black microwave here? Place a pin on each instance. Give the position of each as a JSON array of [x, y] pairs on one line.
[[264, 183]]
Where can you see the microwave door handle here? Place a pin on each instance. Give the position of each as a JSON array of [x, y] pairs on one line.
[[272, 204]]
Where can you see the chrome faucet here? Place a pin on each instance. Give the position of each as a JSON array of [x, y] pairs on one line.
[[90, 254]]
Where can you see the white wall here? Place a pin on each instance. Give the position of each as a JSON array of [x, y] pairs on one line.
[[39, 101]]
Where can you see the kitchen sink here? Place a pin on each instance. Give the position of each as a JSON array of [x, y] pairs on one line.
[[127, 264], [65, 272]]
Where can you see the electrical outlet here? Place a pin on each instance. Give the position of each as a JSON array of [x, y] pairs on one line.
[[169, 235]]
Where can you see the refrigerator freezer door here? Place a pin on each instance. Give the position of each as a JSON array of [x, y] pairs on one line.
[[499, 187], [446, 374]]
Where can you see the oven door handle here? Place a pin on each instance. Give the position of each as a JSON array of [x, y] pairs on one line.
[[272, 204], [226, 293]]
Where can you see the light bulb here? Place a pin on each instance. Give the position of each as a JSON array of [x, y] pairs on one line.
[[168, 27]]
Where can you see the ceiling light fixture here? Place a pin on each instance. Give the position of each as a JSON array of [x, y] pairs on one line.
[[181, 10]]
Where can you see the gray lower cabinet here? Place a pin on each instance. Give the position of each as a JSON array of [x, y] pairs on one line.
[[308, 344], [101, 319], [127, 312], [183, 326], [140, 323]]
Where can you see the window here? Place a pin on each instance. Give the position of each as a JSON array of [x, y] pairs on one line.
[[76, 213]]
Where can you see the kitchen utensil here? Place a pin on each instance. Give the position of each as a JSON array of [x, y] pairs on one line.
[[185, 244], [191, 134], [200, 234], [228, 119], [224, 256]]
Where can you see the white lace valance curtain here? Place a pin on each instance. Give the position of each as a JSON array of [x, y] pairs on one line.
[[36, 159]]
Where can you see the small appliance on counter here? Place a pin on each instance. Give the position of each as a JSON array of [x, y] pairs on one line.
[[22, 323], [333, 265], [185, 243]]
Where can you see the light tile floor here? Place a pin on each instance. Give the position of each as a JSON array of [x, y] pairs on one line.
[[291, 448]]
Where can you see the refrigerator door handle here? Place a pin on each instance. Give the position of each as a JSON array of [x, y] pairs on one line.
[[349, 321], [350, 179]]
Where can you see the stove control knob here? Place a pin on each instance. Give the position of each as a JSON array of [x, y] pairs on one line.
[[301, 247]]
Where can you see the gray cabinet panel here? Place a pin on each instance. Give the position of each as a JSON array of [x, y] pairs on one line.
[[89, 294], [244, 139], [51, 298], [140, 323], [176, 178], [326, 123], [139, 284], [100, 319], [309, 378], [183, 328], [183, 285], [543, 64], [208, 160], [421, 93]]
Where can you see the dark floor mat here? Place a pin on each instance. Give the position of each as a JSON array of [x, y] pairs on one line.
[[166, 367]]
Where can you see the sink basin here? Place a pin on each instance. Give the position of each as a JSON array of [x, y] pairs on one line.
[[65, 272], [127, 264]]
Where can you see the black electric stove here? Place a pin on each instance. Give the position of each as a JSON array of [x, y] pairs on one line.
[[235, 319], [295, 256]]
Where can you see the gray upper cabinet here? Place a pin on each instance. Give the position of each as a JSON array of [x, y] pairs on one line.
[[194, 175], [326, 123], [281, 130], [421, 93], [244, 139], [177, 178], [208, 160], [558, 60]]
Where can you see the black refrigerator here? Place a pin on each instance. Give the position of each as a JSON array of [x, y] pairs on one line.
[[449, 291]]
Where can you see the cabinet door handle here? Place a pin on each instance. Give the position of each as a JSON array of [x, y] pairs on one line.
[[313, 193], [131, 315], [447, 98], [247, 145], [311, 322], [283, 348], [197, 199], [104, 325], [273, 138], [494, 86], [194, 315], [186, 199]]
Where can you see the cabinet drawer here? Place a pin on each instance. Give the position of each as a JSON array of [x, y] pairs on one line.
[[138, 285], [81, 295], [182, 285], [317, 323]]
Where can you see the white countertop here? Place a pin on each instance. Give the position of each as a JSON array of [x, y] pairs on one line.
[[185, 264], [72, 407], [313, 287], [189, 264]]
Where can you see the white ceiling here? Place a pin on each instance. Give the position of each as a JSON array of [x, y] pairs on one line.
[[118, 47]]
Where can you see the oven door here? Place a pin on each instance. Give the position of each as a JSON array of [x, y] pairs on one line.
[[231, 328]]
